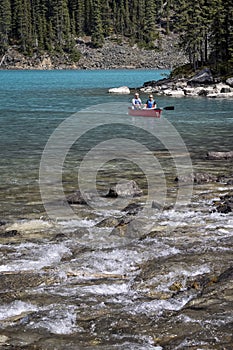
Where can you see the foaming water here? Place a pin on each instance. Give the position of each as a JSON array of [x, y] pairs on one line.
[[16, 308], [31, 257]]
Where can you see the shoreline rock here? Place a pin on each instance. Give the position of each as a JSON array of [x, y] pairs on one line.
[[200, 85], [122, 90]]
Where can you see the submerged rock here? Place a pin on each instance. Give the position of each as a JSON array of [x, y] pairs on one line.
[[224, 208], [76, 198], [125, 189], [197, 178], [108, 222], [131, 228], [8, 234], [225, 204], [3, 339], [220, 155], [3, 222], [133, 208]]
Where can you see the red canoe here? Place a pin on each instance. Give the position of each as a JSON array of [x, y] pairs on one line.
[[145, 112]]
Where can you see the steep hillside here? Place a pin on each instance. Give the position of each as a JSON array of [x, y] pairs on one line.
[[113, 55]]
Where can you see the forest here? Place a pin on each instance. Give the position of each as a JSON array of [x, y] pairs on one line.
[[205, 27]]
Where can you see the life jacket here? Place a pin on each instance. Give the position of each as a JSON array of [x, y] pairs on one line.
[[136, 101], [150, 104]]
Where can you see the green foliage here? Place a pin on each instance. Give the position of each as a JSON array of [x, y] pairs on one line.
[[97, 28], [206, 30], [5, 24], [182, 71], [75, 55]]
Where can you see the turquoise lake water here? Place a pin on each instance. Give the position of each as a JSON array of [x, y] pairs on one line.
[[34, 103]]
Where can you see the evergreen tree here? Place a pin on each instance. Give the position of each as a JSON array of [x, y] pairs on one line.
[[22, 24], [107, 18], [80, 16], [88, 12], [40, 21], [121, 18], [5, 24], [205, 27], [60, 22], [150, 32], [190, 27], [222, 30], [97, 29]]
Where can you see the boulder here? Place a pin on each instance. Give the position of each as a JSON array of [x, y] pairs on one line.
[[203, 77], [120, 90], [108, 222], [223, 88], [224, 208], [76, 198], [3, 340], [174, 93], [197, 178], [131, 229], [229, 82], [133, 208], [156, 205], [204, 177], [220, 155], [125, 189], [9, 234], [225, 204]]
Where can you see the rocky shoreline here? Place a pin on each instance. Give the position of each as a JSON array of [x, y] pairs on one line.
[[113, 55], [202, 84]]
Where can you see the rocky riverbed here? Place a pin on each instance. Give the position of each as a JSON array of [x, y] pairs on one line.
[[109, 283]]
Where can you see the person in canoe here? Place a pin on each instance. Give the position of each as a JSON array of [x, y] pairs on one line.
[[151, 103], [136, 101]]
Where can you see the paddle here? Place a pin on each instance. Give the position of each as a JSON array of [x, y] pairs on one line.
[[169, 108]]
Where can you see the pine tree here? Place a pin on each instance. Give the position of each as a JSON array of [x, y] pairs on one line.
[[5, 24], [77, 16], [22, 24], [222, 30], [60, 22], [107, 18], [40, 20], [150, 32], [97, 28], [190, 27], [205, 27], [139, 20], [88, 13]]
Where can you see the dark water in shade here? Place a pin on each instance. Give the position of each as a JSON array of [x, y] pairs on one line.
[[78, 284]]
